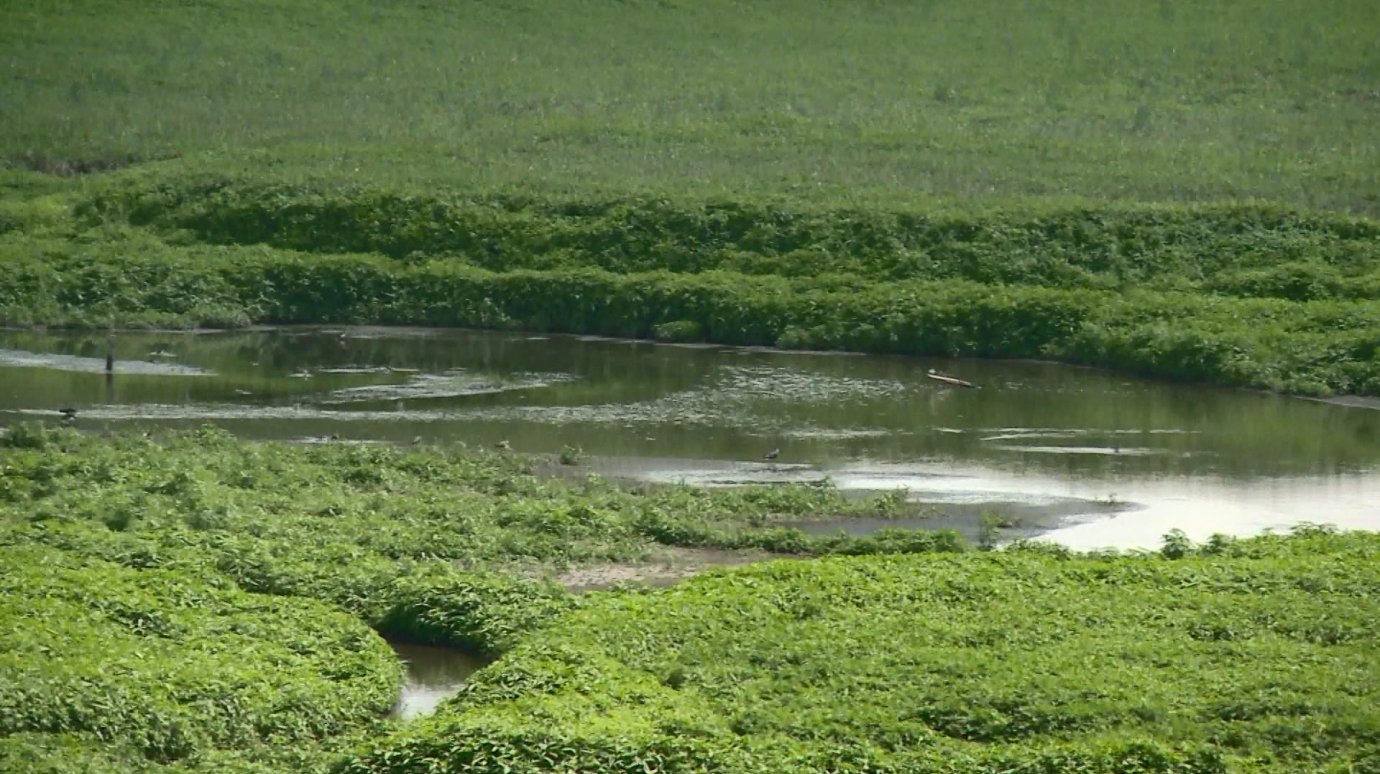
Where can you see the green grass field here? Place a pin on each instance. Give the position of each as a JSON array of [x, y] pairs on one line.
[[987, 102]]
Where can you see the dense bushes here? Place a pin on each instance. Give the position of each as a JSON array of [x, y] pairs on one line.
[[1257, 250], [1312, 347]]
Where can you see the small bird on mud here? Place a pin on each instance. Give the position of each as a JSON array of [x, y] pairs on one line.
[[771, 455], [503, 445], [68, 414]]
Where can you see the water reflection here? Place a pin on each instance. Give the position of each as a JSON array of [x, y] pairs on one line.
[[432, 675], [709, 414]]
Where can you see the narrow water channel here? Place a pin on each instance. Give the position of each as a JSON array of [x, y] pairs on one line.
[[1082, 456], [431, 675]]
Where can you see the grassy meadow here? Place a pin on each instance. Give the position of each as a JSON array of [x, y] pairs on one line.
[[821, 101], [1182, 190]]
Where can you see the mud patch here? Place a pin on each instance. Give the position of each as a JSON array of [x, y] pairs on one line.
[[666, 566]]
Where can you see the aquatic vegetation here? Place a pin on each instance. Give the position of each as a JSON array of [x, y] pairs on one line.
[[1249, 655]]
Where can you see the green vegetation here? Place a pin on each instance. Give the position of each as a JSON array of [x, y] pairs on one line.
[[1184, 190], [1250, 296], [1240, 656], [172, 667], [199, 594], [117, 546], [825, 101]]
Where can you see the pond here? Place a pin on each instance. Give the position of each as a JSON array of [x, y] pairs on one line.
[[1085, 457]]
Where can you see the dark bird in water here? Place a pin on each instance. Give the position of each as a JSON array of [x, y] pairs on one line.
[[938, 377], [771, 455], [68, 414], [504, 445]]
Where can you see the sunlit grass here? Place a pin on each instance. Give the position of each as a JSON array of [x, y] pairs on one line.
[[821, 101], [1250, 656]]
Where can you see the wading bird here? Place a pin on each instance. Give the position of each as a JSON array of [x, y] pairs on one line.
[[68, 414], [771, 455]]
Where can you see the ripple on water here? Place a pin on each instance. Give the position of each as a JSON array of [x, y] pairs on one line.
[[1124, 451], [219, 411], [1023, 433]]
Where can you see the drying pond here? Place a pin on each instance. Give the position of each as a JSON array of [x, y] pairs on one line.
[[1085, 457]]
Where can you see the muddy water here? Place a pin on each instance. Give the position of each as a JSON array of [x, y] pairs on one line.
[[432, 675], [1085, 457]]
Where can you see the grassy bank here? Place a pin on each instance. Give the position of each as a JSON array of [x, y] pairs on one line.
[[162, 617], [1252, 656], [375, 529]]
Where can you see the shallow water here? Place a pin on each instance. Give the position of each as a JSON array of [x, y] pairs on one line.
[[1085, 457], [432, 675]]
